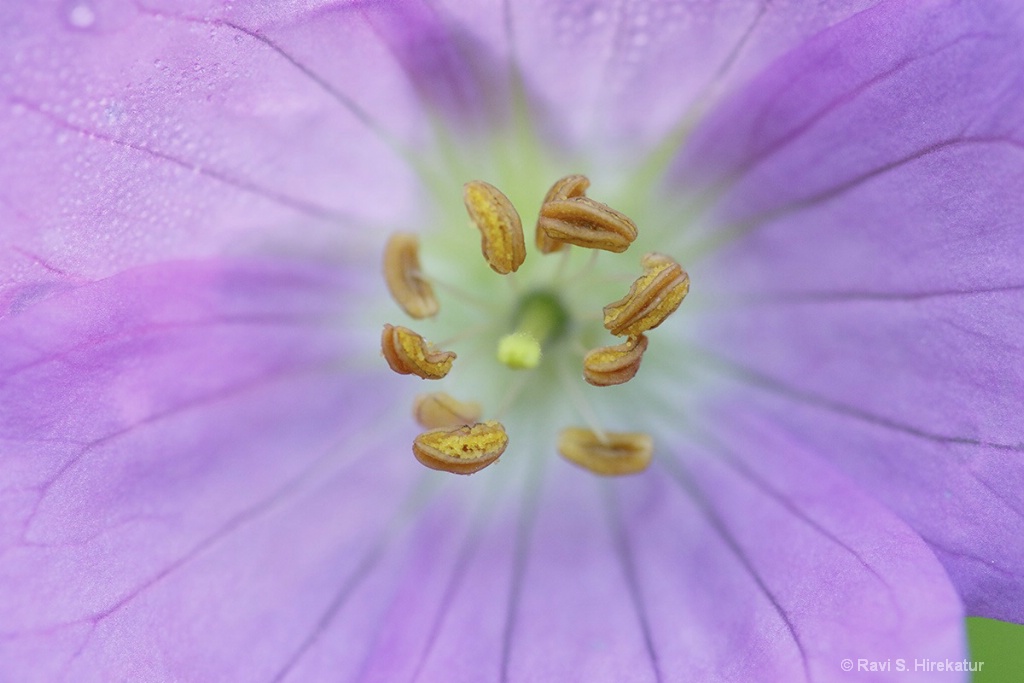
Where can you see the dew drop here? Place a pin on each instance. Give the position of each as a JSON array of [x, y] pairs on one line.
[[81, 15]]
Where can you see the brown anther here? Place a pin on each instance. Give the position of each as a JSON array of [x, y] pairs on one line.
[[616, 454], [586, 223], [651, 299], [402, 274], [410, 354], [565, 188], [463, 450], [611, 365], [437, 410], [501, 231]]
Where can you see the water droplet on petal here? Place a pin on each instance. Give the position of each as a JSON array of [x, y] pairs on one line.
[[81, 15]]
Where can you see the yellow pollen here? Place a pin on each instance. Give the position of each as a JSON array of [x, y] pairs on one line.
[[402, 275], [437, 410], [611, 365], [501, 230], [652, 298], [463, 450], [407, 353], [617, 454]]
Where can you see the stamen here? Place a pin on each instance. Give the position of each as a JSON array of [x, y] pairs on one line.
[[541, 317], [463, 450], [512, 392], [611, 365], [502, 243], [402, 274], [621, 453], [461, 294], [566, 188], [437, 410], [407, 353], [586, 223], [653, 297], [580, 402]]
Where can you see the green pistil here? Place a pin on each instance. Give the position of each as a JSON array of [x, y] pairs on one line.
[[540, 319]]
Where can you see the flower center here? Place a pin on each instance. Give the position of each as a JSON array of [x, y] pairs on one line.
[[541, 320]]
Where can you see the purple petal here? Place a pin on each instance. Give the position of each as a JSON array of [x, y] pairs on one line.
[[628, 74], [689, 571], [263, 538], [872, 204], [131, 136], [167, 429], [199, 483]]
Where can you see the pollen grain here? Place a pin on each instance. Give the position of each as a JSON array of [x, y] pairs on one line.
[[652, 298], [407, 353], [463, 450], [611, 365], [501, 229]]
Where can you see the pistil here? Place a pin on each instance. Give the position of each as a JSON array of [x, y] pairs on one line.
[[540, 319]]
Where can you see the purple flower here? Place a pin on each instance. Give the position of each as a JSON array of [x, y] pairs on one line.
[[206, 470]]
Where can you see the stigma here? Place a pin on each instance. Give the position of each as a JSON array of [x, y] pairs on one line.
[[546, 328]]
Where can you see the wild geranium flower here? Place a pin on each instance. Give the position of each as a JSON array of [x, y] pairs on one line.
[[210, 212]]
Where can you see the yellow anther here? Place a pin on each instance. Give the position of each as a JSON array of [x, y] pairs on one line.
[[410, 354], [437, 410], [614, 455], [651, 299], [611, 365], [586, 223], [402, 274], [463, 450], [501, 230], [565, 188]]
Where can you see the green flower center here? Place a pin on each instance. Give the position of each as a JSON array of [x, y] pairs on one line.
[[540, 318]]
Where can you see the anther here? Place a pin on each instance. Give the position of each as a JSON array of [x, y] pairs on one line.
[[611, 365], [653, 297], [565, 188], [463, 450], [402, 274], [586, 223], [617, 454], [500, 228], [410, 354], [439, 410]]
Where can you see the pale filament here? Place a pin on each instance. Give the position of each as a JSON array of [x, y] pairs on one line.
[[581, 404]]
